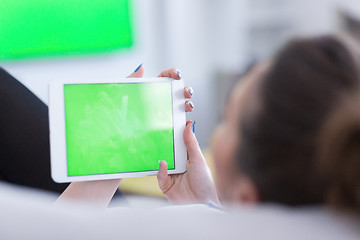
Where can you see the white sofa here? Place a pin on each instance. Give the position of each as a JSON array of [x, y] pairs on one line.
[[27, 214]]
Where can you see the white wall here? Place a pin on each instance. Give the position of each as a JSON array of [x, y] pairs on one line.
[[320, 16], [200, 37]]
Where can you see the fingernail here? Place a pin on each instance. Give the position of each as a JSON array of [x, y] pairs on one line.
[[179, 74], [191, 104], [159, 163], [137, 69], [191, 91], [194, 126]]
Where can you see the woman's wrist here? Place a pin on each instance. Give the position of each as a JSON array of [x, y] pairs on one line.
[[97, 193]]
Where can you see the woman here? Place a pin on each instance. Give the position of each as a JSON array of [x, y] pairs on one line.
[[290, 134]]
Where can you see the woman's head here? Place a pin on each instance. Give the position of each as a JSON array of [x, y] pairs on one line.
[[295, 127]]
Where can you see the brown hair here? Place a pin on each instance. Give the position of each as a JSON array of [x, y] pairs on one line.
[[302, 146]]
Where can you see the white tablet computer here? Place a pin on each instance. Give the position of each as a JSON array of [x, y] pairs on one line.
[[116, 129]]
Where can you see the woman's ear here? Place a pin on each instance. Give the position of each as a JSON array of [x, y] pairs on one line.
[[245, 191]]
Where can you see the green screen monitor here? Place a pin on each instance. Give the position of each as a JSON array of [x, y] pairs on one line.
[[38, 28], [118, 128]]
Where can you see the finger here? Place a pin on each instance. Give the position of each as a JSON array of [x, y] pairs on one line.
[[138, 73], [163, 177], [189, 106], [191, 143], [173, 73], [188, 92]]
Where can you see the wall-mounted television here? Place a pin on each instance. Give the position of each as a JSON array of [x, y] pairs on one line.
[[43, 28]]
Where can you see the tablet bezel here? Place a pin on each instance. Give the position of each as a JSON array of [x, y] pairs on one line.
[[58, 133]]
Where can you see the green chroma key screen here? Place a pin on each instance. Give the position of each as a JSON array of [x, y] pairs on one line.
[[117, 128], [35, 28]]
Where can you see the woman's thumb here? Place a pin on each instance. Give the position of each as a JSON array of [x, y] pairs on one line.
[[163, 177]]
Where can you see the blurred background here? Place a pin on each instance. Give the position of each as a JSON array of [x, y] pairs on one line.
[[210, 41]]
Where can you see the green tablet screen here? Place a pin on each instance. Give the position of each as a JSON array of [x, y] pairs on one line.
[[118, 128]]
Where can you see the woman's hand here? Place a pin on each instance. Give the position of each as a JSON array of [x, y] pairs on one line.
[[101, 192], [196, 185]]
